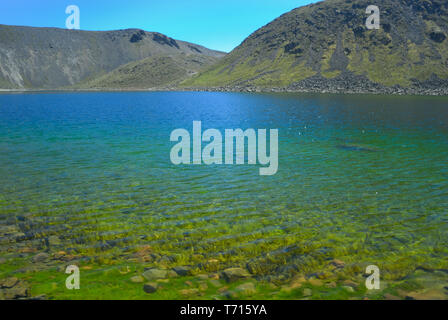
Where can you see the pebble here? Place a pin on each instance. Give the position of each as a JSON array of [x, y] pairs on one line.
[[9, 282], [316, 282], [150, 287], [40, 257], [348, 288], [202, 277], [182, 271], [235, 274], [338, 263], [189, 292], [246, 288], [154, 274], [350, 283]]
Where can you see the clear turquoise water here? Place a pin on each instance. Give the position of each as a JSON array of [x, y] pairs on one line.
[[363, 179]]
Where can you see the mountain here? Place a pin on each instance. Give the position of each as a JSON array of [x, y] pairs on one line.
[[55, 58], [152, 72], [326, 47]]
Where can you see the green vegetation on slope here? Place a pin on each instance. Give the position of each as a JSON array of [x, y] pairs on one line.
[[329, 40], [151, 72]]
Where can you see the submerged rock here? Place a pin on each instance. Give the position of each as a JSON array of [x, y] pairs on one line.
[[155, 274], [9, 282], [18, 291], [150, 287], [348, 288], [235, 274], [337, 263], [40, 257], [189, 292], [246, 288], [182, 270]]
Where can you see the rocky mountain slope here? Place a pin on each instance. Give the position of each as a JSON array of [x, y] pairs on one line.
[[152, 72], [327, 47], [56, 58]]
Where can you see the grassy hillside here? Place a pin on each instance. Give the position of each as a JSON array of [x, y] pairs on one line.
[[152, 72], [328, 44]]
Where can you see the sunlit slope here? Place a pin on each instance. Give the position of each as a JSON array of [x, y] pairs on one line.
[[41, 58], [328, 45], [152, 72]]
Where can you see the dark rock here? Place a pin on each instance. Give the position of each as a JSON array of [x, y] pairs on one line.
[[182, 270], [150, 287], [137, 37], [437, 36]]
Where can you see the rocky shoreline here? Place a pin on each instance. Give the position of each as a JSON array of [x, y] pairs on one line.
[[345, 83]]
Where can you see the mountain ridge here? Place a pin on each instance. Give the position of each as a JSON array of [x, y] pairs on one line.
[[326, 47], [50, 58]]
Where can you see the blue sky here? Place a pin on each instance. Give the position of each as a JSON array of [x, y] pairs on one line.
[[217, 24]]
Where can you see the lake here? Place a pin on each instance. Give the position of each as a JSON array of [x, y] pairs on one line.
[[86, 180]]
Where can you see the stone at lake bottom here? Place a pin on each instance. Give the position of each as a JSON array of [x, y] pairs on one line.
[[40, 257], [350, 283], [202, 277], [246, 288], [182, 271], [235, 274], [9, 282], [17, 292], [338, 263], [171, 274], [189, 292], [433, 294], [150, 287], [316, 282], [137, 279], [348, 288], [154, 274], [214, 276], [307, 292]]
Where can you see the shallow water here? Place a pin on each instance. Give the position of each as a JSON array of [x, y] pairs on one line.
[[362, 179]]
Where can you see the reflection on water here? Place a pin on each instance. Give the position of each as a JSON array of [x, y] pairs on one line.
[[87, 178]]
